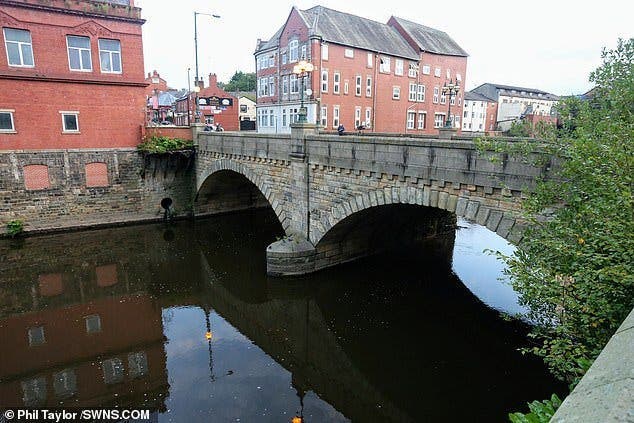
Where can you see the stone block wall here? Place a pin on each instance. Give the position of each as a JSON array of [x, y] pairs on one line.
[[133, 192]]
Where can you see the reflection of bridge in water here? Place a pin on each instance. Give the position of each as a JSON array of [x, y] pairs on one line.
[[343, 348], [100, 302]]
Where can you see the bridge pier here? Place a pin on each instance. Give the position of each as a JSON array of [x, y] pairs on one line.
[[292, 255]]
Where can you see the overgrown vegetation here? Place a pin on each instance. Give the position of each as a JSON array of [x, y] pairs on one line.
[[240, 81], [574, 271], [540, 411], [161, 145], [15, 228]]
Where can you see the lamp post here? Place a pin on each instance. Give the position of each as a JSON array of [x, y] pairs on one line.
[[189, 97], [301, 69], [452, 89], [197, 88]]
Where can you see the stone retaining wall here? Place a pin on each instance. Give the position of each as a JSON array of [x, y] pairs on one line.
[[130, 187]]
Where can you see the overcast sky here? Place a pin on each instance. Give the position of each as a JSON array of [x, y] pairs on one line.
[[552, 45]]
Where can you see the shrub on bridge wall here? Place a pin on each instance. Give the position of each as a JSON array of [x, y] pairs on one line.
[[164, 145]]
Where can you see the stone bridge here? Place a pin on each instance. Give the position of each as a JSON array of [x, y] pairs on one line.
[[343, 197]]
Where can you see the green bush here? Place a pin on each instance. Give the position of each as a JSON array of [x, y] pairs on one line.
[[540, 411], [160, 145], [15, 228]]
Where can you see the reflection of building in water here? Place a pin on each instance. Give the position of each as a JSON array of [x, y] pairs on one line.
[[81, 338]]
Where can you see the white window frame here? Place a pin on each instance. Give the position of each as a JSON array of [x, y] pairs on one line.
[[271, 85], [357, 117], [65, 113], [423, 120], [113, 370], [137, 364], [358, 86], [420, 95], [437, 72], [93, 323], [40, 338], [439, 123], [368, 86], [411, 117], [384, 66], [324, 52], [426, 69], [396, 92], [368, 117], [412, 91], [285, 85], [436, 95], [398, 67], [112, 54], [370, 61], [294, 84], [303, 55], [348, 53], [412, 70], [346, 87], [293, 51], [324, 81], [336, 83], [20, 45], [79, 50], [11, 130], [335, 116], [324, 116]]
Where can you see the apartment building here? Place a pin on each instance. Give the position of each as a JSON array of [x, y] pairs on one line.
[[516, 103], [366, 75], [479, 113]]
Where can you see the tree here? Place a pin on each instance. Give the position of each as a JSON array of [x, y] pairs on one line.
[[574, 271], [240, 81]]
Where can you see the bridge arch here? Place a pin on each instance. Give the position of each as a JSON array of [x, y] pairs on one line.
[[223, 165], [472, 208]]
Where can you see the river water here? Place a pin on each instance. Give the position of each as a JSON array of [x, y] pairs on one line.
[[182, 320]]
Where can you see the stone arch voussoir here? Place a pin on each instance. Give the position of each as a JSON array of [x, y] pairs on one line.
[[504, 223], [253, 177]]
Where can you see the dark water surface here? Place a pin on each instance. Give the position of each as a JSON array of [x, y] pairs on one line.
[[122, 316]]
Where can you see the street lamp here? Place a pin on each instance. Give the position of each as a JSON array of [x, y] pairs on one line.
[[301, 69], [451, 89], [196, 52], [189, 97]]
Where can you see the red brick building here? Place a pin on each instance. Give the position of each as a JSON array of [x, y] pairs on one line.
[[382, 77], [155, 83], [71, 74], [216, 106]]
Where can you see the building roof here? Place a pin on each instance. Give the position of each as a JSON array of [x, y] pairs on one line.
[[354, 31], [471, 96], [495, 90], [348, 30], [274, 41], [431, 40], [166, 98]]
